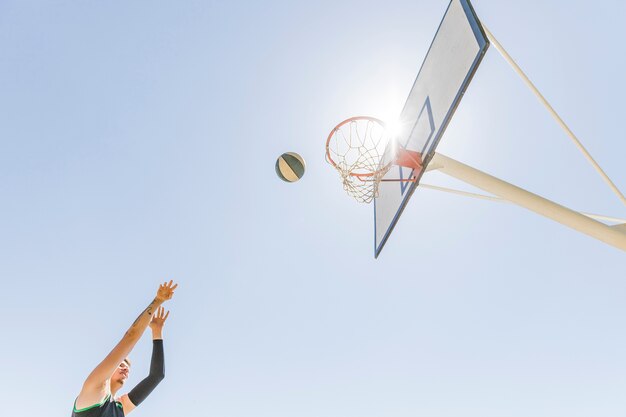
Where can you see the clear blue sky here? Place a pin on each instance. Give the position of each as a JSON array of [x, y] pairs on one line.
[[137, 144]]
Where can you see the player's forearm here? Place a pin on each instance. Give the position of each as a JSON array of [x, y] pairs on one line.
[[141, 323], [157, 373]]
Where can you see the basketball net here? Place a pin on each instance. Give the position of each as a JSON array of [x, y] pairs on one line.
[[362, 150]]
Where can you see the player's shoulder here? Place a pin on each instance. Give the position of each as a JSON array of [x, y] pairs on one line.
[[125, 403], [86, 407]]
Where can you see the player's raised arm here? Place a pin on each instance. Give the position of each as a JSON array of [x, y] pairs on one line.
[[157, 365], [96, 388]]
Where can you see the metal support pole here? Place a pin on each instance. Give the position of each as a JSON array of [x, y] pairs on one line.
[[554, 114], [575, 220], [617, 220]]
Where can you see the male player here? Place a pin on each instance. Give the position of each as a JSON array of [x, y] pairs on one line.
[[97, 397]]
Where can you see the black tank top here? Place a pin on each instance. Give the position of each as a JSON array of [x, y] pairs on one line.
[[108, 408]]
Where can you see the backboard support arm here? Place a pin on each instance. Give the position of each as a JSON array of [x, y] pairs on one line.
[[554, 114], [610, 235], [618, 221]]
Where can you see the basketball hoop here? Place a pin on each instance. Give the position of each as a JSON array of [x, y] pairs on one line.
[[362, 150]]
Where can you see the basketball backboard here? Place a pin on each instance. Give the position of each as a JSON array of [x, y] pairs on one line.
[[451, 61]]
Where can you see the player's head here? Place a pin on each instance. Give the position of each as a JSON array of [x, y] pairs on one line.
[[120, 375]]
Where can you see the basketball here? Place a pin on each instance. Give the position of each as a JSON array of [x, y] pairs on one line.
[[290, 167]]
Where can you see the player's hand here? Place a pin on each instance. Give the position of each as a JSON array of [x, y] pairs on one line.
[[158, 320], [166, 291]]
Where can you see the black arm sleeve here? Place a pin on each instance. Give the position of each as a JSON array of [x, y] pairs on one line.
[[157, 373]]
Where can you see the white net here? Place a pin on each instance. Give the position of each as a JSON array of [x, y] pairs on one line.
[[357, 149]]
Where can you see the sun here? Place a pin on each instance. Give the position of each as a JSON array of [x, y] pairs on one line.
[[393, 128]]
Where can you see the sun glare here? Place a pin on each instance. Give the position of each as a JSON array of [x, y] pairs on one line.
[[393, 129]]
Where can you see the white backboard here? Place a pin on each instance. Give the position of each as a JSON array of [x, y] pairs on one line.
[[452, 59]]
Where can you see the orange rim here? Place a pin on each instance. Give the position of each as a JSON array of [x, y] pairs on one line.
[[332, 133]]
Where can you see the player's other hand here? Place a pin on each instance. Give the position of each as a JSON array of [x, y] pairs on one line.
[[158, 319]]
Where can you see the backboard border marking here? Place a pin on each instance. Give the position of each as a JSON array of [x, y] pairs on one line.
[[483, 43], [431, 123]]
